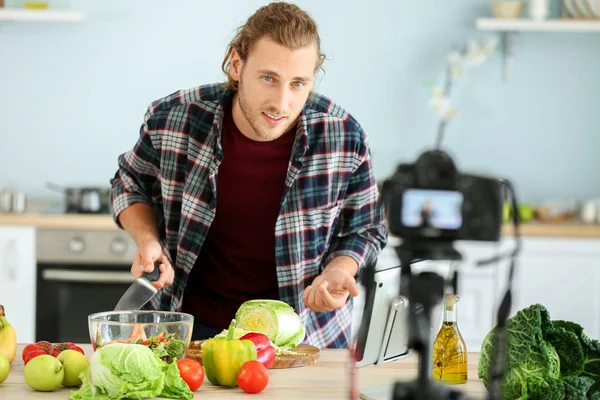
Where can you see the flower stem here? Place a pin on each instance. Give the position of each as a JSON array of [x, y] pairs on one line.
[[443, 122]]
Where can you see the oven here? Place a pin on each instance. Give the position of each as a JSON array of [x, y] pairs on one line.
[[79, 272]]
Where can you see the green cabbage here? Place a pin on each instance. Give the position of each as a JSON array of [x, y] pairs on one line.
[[547, 359], [130, 371], [274, 318]]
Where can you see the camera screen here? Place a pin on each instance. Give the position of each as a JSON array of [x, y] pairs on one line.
[[426, 208]]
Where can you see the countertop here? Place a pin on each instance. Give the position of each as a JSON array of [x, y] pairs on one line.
[[60, 221], [327, 379], [573, 229]]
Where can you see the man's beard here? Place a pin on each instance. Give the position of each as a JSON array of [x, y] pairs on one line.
[[255, 118]]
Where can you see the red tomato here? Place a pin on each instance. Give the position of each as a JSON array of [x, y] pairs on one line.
[[27, 349], [33, 354], [60, 347], [45, 345], [253, 377], [57, 349], [192, 372], [72, 346], [38, 348]]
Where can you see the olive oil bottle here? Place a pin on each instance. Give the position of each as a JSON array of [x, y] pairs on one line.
[[449, 349]]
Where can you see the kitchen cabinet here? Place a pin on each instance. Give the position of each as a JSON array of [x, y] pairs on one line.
[[563, 275], [18, 279]]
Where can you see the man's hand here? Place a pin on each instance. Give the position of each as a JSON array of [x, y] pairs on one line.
[[330, 290], [148, 253]]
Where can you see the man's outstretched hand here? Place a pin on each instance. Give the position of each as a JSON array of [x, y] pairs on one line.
[[331, 289]]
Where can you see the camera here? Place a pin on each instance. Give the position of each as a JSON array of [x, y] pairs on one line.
[[432, 201]]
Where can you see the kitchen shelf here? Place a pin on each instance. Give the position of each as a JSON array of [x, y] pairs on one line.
[[525, 25], [508, 28], [24, 15]]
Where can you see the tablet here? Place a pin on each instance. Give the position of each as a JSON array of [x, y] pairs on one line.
[[383, 334]]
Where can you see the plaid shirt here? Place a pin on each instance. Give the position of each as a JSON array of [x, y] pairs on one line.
[[329, 207]]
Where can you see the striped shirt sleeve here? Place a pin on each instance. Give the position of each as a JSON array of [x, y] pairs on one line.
[[137, 175], [361, 232]]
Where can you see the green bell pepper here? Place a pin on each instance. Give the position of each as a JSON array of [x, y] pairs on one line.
[[223, 357]]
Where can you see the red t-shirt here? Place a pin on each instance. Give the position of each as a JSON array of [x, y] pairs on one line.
[[237, 259]]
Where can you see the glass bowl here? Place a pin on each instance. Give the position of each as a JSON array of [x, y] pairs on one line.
[[168, 333]]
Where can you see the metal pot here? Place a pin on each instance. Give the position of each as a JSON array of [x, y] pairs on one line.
[[84, 200], [12, 201]]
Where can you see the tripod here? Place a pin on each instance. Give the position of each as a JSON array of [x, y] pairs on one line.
[[425, 289]]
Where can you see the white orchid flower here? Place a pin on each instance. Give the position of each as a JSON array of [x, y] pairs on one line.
[[475, 56], [441, 104], [455, 58], [455, 61], [490, 45], [437, 92]]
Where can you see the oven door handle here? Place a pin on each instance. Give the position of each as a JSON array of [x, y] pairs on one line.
[[67, 275]]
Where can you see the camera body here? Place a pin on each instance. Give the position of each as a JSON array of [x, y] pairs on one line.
[[430, 200]]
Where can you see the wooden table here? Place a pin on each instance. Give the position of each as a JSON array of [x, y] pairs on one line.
[[329, 378]]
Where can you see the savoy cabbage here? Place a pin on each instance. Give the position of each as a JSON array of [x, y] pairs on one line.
[[547, 359]]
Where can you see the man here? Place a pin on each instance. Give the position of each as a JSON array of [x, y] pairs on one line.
[[426, 215], [257, 188]]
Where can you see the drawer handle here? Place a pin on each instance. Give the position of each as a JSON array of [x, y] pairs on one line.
[[66, 275]]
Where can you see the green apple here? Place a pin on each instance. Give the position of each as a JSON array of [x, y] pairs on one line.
[[44, 373], [526, 212], [73, 363], [4, 367]]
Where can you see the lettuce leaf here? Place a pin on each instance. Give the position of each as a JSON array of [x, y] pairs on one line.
[[130, 371]]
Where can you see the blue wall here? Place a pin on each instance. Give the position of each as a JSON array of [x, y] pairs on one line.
[[72, 96]]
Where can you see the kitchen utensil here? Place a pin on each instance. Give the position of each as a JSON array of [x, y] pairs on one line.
[[569, 9], [308, 355], [36, 4], [85, 199], [594, 7], [12, 201], [138, 325], [589, 212], [582, 8], [538, 9], [140, 292], [18, 202], [6, 199], [507, 9]]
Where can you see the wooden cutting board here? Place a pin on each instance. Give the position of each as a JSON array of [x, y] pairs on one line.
[[310, 356], [292, 361]]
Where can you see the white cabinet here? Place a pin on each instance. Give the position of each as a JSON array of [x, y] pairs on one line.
[[563, 275], [18, 279]]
